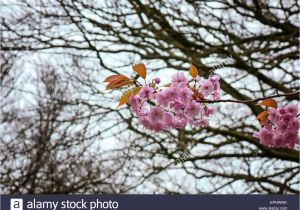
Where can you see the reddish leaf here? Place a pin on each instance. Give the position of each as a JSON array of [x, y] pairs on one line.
[[193, 71], [117, 84], [125, 96], [263, 117], [118, 77], [140, 69], [269, 102], [118, 80]]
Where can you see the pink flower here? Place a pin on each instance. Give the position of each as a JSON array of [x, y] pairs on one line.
[[286, 118], [179, 123], [157, 80], [278, 140], [141, 111], [179, 80], [291, 139], [171, 93], [207, 88], [216, 95], [177, 105], [146, 92], [292, 109], [157, 126], [201, 122], [162, 98], [283, 129], [185, 94], [136, 106], [181, 115], [265, 136], [215, 81], [282, 126], [133, 101], [145, 121], [282, 110], [208, 111], [156, 114], [274, 115], [192, 108], [293, 125], [169, 119]]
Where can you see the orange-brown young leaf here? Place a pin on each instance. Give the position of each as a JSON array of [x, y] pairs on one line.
[[118, 77], [118, 80], [140, 69], [269, 102], [117, 84], [263, 117], [125, 96], [193, 71]]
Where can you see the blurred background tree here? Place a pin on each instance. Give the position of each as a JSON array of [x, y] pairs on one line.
[[60, 131]]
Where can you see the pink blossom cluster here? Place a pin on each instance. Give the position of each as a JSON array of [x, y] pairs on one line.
[[282, 127], [160, 108]]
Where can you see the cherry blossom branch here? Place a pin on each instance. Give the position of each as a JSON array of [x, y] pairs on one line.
[[251, 100]]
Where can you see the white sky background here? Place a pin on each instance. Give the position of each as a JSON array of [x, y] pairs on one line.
[[122, 63]]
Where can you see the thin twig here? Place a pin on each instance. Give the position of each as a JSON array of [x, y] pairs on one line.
[[249, 101]]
